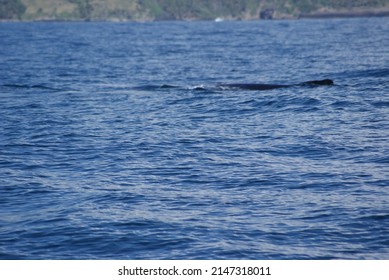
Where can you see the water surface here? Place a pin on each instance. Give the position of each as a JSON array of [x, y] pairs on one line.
[[98, 161]]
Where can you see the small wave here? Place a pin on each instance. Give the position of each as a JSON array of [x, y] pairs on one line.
[[199, 87], [343, 104], [380, 104], [382, 159], [25, 86], [380, 72]]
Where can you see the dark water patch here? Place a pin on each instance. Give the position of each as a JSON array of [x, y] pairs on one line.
[[346, 105], [380, 159], [12, 256], [29, 86], [381, 104], [375, 73], [377, 218]]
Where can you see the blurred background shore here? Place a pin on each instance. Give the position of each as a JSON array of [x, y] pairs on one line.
[[154, 10]]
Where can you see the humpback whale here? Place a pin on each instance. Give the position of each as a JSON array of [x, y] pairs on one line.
[[242, 86], [325, 82]]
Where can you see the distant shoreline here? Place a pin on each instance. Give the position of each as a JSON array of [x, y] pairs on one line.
[[315, 15], [185, 10], [345, 14]]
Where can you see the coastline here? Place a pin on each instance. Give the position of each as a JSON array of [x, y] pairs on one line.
[[313, 15], [185, 10], [346, 14]]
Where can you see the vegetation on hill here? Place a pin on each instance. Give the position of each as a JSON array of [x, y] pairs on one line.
[[11, 9], [143, 10]]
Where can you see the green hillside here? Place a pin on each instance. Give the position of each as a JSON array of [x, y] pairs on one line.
[[144, 10]]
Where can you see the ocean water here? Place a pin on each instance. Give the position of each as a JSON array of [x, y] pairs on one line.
[[100, 160]]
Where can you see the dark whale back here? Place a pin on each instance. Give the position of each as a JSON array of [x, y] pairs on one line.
[[242, 86], [325, 82]]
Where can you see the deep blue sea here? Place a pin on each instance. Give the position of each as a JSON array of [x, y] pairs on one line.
[[100, 159]]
